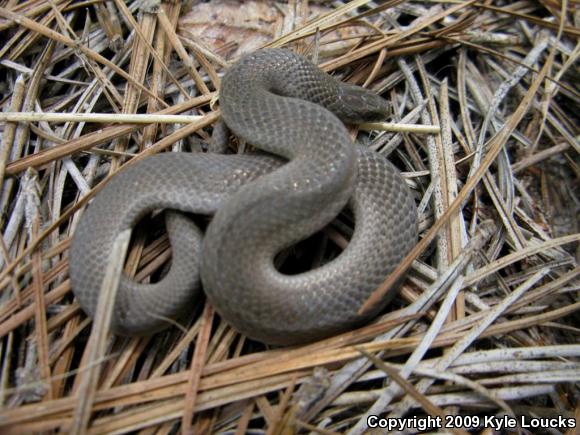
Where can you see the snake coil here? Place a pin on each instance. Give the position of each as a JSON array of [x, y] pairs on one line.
[[284, 105]]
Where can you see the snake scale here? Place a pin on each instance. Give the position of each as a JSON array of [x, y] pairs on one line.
[[288, 108]]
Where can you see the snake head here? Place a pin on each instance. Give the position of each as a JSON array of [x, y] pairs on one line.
[[356, 105]]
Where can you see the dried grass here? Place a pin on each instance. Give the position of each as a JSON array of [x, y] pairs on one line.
[[485, 321]]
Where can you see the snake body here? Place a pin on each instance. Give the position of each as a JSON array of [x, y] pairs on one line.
[[284, 105]]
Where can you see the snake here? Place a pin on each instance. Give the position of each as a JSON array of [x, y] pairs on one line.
[[306, 170]]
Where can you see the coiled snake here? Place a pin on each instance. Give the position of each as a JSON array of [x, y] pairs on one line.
[[283, 105]]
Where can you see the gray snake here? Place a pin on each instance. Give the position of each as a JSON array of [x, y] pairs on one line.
[[287, 107]]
